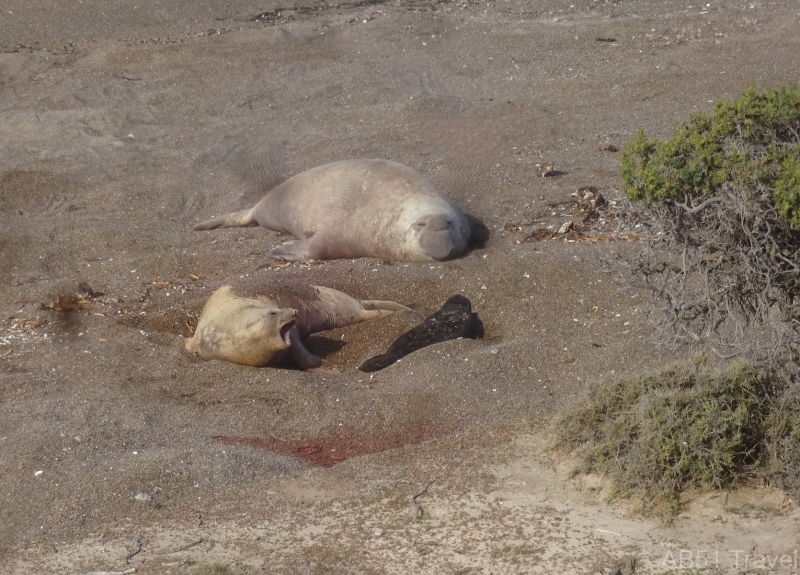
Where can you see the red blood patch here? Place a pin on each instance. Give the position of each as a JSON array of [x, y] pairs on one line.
[[329, 449]]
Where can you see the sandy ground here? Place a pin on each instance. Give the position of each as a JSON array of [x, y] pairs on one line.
[[123, 124]]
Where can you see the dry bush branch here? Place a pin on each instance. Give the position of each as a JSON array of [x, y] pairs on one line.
[[730, 275]]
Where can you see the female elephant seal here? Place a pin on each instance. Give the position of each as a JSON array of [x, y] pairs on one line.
[[455, 319], [254, 331], [357, 208]]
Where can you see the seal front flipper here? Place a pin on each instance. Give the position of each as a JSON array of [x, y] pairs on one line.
[[293, 251], [302, 357], [306, 360]]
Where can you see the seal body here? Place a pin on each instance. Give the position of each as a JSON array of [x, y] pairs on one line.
[[454, 320], [256, 330], [358, 208]]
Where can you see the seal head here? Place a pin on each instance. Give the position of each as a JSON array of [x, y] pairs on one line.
[[441, 237], [241, 330]]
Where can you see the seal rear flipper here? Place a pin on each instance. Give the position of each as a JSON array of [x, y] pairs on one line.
[[306, 360], [243, 219], [381, 307], [292, 251]]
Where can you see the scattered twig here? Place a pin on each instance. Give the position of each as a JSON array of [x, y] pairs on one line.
[[134, 551], [420, 510], [131, 570], [182, 548], [426, 545]]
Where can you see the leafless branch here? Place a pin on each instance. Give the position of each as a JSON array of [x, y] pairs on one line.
[[724, 271]]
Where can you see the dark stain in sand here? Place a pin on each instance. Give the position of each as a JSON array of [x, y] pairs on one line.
[[327, 450]]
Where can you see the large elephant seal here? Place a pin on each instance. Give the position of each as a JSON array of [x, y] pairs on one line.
[[255, 331], [455, 319], [357, 208]]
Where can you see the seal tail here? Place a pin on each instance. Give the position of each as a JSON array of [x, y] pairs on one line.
[[243, 219]]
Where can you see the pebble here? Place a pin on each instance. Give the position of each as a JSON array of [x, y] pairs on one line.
[[143, 497]]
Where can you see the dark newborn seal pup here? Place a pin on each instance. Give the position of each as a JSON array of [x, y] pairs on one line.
[[254, 331], [357, 208], [453, 321]]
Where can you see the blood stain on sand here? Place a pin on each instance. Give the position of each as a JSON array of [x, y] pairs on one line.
[[328, 449]]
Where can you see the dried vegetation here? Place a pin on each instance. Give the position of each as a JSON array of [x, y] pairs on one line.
[[724, 259], [723, 262], [688, 427]]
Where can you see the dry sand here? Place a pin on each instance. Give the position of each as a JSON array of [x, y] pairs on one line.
[[123, 124]]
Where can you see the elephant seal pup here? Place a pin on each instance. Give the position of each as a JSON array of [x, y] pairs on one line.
[[357, 208], [454, 320], [255, 331]]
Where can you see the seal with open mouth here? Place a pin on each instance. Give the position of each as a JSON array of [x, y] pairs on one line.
[[254, 331]]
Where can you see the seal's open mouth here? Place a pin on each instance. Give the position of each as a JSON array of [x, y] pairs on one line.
[[285, 332]]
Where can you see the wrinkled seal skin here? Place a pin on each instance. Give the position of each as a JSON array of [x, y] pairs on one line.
[[454, 320], [254, 331], [357, 208]]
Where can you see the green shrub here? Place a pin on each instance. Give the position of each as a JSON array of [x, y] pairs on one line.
[[688, 427], [753, 141], [725, 193]]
